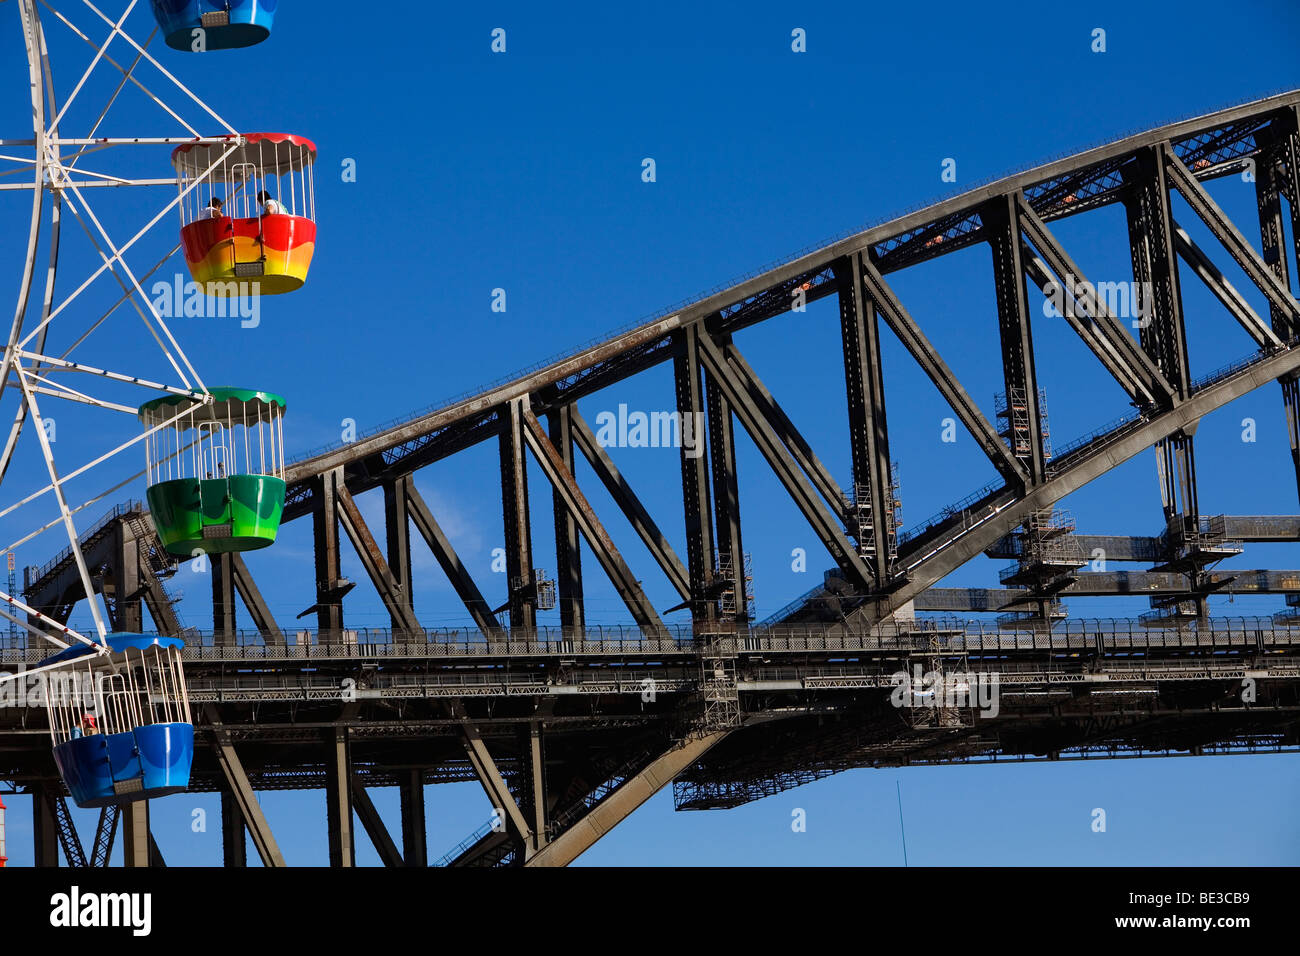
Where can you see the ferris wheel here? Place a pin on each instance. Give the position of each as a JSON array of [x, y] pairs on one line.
[[100, 234]]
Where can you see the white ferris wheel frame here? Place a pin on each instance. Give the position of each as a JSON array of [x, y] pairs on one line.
[[26, 367]]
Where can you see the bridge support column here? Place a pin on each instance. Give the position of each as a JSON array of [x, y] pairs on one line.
[[1020, 376], [868, 427], [695, 472], [537, 780], [45, 834], [128, 609], [518, 527], [135, 834], [726, 503], [338, 800], [415, 845], [223, 599], [234, 847], [568, 550], [1275, 173], [397, 540], [325, 528]]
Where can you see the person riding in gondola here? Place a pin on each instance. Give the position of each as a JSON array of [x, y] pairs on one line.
[[270, 207], [214, 208]]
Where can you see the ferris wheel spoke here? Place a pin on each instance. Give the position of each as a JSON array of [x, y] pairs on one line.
[[129, 74], [121, 85], [126, 294], [58, 363], [80, 559], [162, 69], [34, 42], [81, 507], [135, 283], [13, 602], [57, 483], [128, 290], [99, 54], [131, 242]]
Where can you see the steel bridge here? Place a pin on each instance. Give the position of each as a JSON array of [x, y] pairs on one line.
[[570, 729]]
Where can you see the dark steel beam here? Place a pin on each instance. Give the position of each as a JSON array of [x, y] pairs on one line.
[[632, 793], [925, 354], [397, 539], [325, 528], [450, 562], [395, 601], [695, 472], [518, 527], [257, 607], [338, 799], [45, 831], [726, 498], [415, 843], [575, 502], [105, 834], [224, 627], [568, 549], [825, 524], [237, 784], [1224, 291], [234, 846], [374, 824], [1242, 252], [776, 417], [1001, 220], [629, 504], [864, 384], [1108, 340], [1112, 584], [494, 785], [1276, 173], [934, 559]]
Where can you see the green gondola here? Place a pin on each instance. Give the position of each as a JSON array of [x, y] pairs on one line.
[[216, 470]]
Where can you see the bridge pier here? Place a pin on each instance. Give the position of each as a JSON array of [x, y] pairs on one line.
[[135, 834], [234, 846], [45, 834], [338, 800], [223, 599], [415, 845]]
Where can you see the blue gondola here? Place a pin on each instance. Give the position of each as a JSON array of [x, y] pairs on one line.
[[226, 24], [120, 721]]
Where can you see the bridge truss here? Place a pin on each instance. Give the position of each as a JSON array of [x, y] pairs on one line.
[[569, 730]]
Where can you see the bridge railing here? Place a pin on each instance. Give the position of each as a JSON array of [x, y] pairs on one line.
[[938, 635]]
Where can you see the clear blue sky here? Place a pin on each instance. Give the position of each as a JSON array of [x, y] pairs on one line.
[[522, 171]]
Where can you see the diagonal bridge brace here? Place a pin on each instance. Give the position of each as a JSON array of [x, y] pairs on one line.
[[941, 557], [601, 544], [925, 354], [1233, 241], [825, 524], [1135, 371]]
